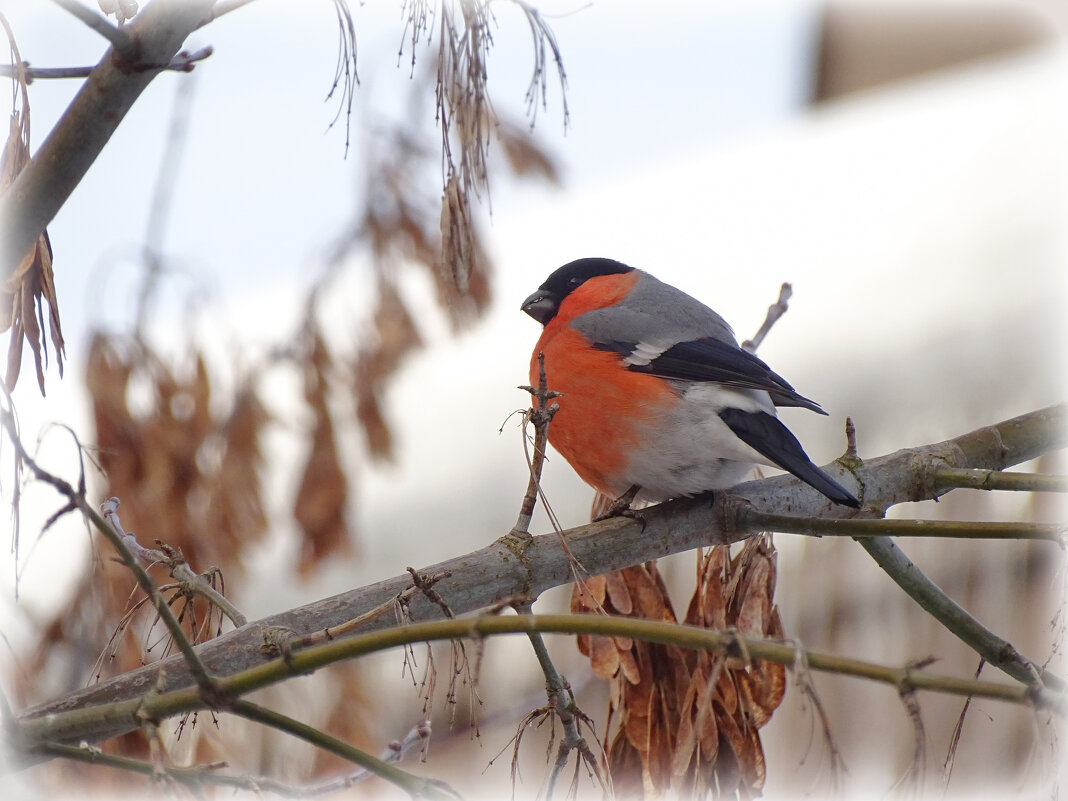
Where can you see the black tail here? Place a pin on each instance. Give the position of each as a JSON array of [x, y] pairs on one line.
[[767, 436]]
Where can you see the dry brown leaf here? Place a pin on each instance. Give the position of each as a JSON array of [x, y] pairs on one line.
[[688, 722], [628, 665], [322, 497], [755, 605], [235, 512], [588, 595], [650, 600], [184, 477], [395, 336], [456, 235], [604, 657], [523, 154], [31, 289], [618, 593]]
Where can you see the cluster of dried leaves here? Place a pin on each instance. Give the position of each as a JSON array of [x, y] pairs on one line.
[[193, 470], [190, 468], [184, 455], [320, 505], [688, 722], [24, 295], [403, 229]]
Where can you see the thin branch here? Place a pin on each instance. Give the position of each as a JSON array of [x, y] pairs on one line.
[[87, 723], [562, 704], [954, 740], [77, 500], [541, 415], [184, 61], [775, 311], [195, 777], [414, 785], [541, 35], [189, 581], [119, 38], [207, 775], [499, 574], [998, 652], [952, 478], [680, 634], [755, 520]]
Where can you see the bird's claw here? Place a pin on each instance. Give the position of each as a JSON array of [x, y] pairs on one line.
[[620, 507]]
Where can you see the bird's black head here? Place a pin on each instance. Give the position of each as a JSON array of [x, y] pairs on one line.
[[543, 304]]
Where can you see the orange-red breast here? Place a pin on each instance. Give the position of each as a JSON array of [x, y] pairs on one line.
[[655, 392]]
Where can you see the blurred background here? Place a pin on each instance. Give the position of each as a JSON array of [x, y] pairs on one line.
[[235, 322]]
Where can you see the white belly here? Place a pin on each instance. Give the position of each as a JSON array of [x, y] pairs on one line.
[[693, 450]]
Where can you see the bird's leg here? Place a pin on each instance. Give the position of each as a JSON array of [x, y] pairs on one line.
[[620, 507]]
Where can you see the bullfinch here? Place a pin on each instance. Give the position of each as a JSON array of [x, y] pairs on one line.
[[656, 398]]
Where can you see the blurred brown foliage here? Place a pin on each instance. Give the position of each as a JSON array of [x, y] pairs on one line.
[[180, 443], [31, 287], [688, 722], [319, 508]]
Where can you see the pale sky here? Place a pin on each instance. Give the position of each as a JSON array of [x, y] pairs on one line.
[[264, 186], [921, 226]]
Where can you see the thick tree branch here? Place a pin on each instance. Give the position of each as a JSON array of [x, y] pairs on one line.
[[508, 569], [41, 189]]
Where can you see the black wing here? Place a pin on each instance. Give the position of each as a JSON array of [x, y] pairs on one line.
[[709, 359], [767, 436]]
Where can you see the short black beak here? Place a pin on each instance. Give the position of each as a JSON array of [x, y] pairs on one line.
[[542, 306]]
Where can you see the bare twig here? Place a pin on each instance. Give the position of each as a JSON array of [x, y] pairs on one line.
[[345, 73], [189, 581], [775, 311], [541, 35], [803, 676], [207, 775], [561, 705], [283, 639], [951, 478], [415, 786], [754, 519], [912, 779], [998, 652], [119, 38], [162, 197], [561, 701], [184, 61], [540, 415], [954, 740], [76, 500]]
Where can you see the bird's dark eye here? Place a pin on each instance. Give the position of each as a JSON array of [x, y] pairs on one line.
[[574, 281]]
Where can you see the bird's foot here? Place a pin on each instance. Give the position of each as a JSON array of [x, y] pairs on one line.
[[620, 507]]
